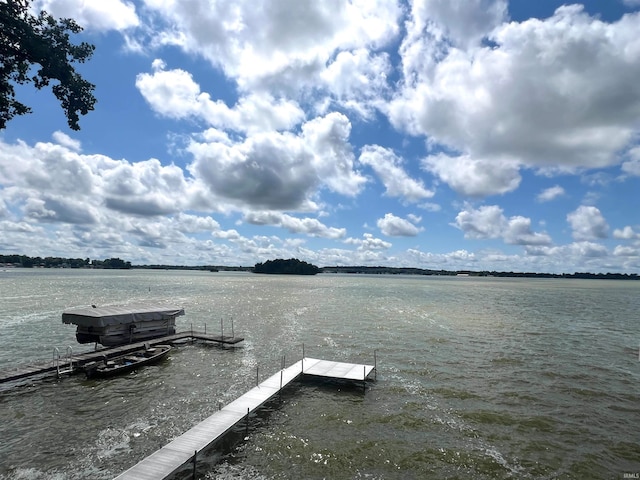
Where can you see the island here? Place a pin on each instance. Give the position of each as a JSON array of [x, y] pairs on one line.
[[292, 266]]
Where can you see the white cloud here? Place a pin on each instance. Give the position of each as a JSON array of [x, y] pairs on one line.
[[307, 226], [144, 188], [541, 96], [550, 193], [632, 165], [368, 242], [281, 171], [101, 16], [587, 223], [66, 141], [187, 223], [474, 177], [627, 233], [489, 222], [484, 222], [464, 22], [576, 253], [626, 251], [393, 226], [357, 80], [174, 94], [281, 45], [389, 169]]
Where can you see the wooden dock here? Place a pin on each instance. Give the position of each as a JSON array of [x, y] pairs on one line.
[[185, 448], [73, 363]]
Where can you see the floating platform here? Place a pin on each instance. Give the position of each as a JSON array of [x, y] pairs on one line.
[[72, 363], [185, 448]]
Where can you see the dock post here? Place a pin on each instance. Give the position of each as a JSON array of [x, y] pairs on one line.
[[221, 330], [246, 428], [375, 366], [364, 379], [195, 460], [56, 360], [233, 335], [257, 375], [205, 328]]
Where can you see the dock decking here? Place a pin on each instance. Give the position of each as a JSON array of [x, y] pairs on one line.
[[42, 368], [179, 451]]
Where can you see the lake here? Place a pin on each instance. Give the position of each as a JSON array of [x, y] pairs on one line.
[[478, 378]]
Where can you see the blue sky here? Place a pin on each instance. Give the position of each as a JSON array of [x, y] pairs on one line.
[[442, 134]]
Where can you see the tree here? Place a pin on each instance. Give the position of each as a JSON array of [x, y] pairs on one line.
[[37, 49], [293, 266]]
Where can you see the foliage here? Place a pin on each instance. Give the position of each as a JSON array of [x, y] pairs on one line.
[[37, 49], [293, 266], [58, 262]]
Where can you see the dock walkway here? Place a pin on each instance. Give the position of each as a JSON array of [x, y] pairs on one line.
[[72, 363], [182, 449]]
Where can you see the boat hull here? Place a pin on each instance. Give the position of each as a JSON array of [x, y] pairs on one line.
[[127, 363]]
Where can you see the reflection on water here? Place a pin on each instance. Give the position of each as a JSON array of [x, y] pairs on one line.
[[478, 378]]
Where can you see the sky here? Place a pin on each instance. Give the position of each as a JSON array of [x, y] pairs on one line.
[[438, 134]]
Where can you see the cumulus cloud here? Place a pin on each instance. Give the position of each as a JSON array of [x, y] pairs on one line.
[[101, 16], [472, 176], [282, 45], [632, 164], [489, 222], [66, 141], [626, 251], [540, 95], [368, 242], [175, 94], [550, 193], [308, 226], [357, 80], [144, 188], [281, 171], [463, 22], [58, 185], [388, 167], [587, 223], [626, 233], [393, 226]]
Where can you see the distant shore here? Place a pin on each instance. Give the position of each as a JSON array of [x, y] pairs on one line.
[[23, 261]]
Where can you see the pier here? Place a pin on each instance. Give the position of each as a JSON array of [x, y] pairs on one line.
[[185, 448], [72, 363]]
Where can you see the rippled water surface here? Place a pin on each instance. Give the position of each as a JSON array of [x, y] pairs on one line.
[[477, 378]]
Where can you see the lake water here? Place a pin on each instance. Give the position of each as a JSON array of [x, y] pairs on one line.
[[478, 378]]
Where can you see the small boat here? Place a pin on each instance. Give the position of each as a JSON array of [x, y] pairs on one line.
[[110, 367]]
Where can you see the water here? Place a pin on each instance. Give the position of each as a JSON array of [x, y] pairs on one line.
[[477, 377]]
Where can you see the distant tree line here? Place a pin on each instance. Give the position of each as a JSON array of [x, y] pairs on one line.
[[292, 266], [59, 262], [470, 273]]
